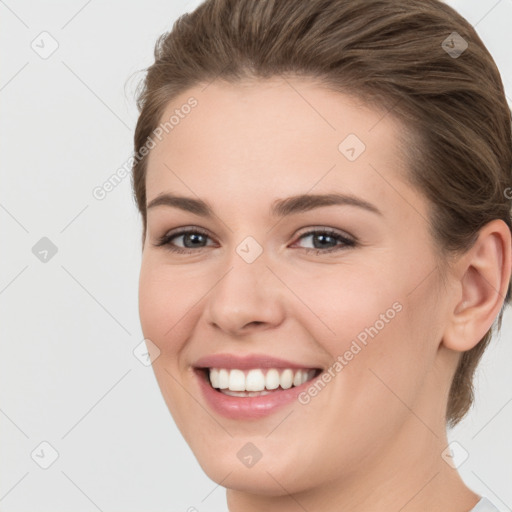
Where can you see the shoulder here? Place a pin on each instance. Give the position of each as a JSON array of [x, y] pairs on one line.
[[484, 505]]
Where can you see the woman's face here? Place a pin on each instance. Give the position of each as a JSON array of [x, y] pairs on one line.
[[254, 288]]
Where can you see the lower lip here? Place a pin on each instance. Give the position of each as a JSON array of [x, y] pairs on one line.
[[250, 407]]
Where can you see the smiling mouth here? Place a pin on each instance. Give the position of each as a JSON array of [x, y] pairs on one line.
[[256, 381]]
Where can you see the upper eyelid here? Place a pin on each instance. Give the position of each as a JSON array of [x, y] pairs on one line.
[[302, 231], [311, 230]]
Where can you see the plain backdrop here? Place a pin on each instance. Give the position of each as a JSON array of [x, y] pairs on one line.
[[69, 275]]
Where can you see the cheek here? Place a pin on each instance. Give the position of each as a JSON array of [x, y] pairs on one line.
[[153, 297], [398, 351], [375, 328], [166, 313], [165, 304], [347, 304]]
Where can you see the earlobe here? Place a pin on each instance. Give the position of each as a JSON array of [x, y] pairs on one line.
[[485, 275]]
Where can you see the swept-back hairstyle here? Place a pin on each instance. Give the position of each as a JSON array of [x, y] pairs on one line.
[[406, 57]]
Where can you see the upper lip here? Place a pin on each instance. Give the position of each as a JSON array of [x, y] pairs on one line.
[[247, 362]]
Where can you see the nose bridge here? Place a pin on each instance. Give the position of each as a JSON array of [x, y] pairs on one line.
[[247, 292]]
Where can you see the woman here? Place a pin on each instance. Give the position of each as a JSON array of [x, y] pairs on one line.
[[325, 194]]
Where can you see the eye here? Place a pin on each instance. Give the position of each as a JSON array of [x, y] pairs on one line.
[[327, 240], [191, 238], [195, 239]]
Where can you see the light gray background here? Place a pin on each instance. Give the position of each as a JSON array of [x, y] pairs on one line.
[[69, 326]]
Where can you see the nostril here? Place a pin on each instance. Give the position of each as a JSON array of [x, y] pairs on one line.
[[255, 323]]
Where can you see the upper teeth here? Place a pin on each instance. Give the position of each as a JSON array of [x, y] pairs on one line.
[[257, 380]]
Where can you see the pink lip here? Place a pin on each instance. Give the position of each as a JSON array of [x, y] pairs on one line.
[[246, 362], [253, 407]]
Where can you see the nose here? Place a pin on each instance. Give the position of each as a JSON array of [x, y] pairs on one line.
[[247, 298]]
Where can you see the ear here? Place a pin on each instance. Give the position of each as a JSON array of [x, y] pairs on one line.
[[483, 277]]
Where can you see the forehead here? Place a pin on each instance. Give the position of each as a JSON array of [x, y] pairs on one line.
[[255, 141]]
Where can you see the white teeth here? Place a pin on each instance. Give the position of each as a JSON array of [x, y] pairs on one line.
[[236, 380], [272, 379], [223, 379], [245, 393], [286, 379], [214, 378], [257, 381]]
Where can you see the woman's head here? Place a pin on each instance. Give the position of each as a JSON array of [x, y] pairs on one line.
[[378, 100]]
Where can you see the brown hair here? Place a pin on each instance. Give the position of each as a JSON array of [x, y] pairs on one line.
[[394, 55]]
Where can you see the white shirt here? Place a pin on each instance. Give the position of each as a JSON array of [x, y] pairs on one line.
[[484, 505]]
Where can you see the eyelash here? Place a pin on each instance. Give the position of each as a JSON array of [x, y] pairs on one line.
[[347, 242]]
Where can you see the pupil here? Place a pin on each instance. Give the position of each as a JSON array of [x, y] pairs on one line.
[[193, 237], [197, 237], [323, 237]]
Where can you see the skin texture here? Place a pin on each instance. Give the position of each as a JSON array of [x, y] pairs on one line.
[[373, 437]]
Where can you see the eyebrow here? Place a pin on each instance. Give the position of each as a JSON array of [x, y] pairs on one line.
[[279, 208]]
